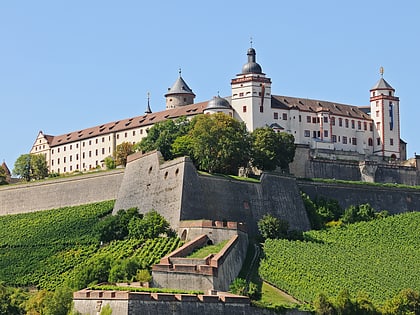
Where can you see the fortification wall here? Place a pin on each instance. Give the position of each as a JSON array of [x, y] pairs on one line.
[[130, 303], [61, 192], [178, 192], [394, 200]]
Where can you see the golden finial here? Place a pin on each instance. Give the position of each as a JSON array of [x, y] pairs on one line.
[[381, 71]]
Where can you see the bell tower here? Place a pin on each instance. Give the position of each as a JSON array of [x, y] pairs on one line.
[[385, 113], [251, 94]]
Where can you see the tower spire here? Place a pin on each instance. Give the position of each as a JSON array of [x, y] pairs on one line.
[[148, 110]]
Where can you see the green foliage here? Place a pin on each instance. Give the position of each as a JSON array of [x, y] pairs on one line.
[[359, 213], [2, 176], [110, 163], [378, 257], [143, 275], [141, 289], [116, 227], [219, 143], [106, 310], [122, 151], [151, 226], [271, 150], [31, 166], [238, 287], [162, 135], [272, 227], [33, 245], [405, 302], [58, 302]]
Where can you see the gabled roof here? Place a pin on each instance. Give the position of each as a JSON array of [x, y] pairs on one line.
[[382, 85], [316, 106], [6, 169], [129, 123]]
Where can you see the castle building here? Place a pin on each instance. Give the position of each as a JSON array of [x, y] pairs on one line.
[[371, 131]]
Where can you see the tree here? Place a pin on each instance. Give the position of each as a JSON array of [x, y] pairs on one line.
[[22, 167], [271, 150], [31, 166], [323, 306], [151, 226], [122, 151], [39, 168], [2, 176], [162, 135], [405, 302], [359, 213], [219, 143], [109, 163], [272, 227]]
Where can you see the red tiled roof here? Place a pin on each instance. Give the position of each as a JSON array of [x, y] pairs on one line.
[[129, 123]]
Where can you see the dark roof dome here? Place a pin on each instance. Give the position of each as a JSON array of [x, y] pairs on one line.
[[251, 66], [218, 103]]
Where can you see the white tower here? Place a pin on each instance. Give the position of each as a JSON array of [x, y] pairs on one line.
[[385, 112], [251, 94]]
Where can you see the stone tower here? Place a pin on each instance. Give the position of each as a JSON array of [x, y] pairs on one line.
[[179, 94], [251, 94], [385, 112]]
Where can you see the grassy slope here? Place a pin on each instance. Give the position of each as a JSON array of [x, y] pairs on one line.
[[379, 258]]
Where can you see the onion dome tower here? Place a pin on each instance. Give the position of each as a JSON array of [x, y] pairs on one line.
[[179, 94], [251, 94]]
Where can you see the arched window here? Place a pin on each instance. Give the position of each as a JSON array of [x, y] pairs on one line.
[[370, 142]]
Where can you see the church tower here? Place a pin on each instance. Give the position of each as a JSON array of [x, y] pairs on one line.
[[251, 94], [179, 94], [385, 112]]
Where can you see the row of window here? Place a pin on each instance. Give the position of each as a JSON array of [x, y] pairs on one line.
[[96, 141], [70, 169], [103, 152], [343, 139]]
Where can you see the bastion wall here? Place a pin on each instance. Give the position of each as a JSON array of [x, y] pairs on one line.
[[57, 193], [131, 303]]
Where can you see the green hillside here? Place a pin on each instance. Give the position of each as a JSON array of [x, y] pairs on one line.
[[47, 248], [379, 258]]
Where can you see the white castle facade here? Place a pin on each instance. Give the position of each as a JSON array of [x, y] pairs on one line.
[[371, 131]]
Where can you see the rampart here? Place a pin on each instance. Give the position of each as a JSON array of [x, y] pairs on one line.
[[394, 200], [214, 272], [56, 193], [131, 303], [178, 192]]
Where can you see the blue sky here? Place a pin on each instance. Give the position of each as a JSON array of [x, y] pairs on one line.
[[69, 65]]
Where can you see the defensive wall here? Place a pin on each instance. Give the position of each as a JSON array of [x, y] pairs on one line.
[[321, 163], [214, 272], [131, 303], [177, 191], [394, 200], [61, 192]]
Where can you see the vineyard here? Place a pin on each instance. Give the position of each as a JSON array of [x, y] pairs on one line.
[[44, 248], [379, 258]]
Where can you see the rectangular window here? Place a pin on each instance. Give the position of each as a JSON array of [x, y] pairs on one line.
[[71, 168], [244, 109], [377, 113], [313, 134], [308, 119], [340, 122], [326, 133], [241, 94], [71, 158], [370, 126], [52, 151], [334, 138], [261, 109], [134, 132], [52, 162], [347, 123], [90, 142], [64, 149], [77, 145], [314, 120], [64, 159], [103, 139], [307, 133], [118, 136], [332, 121], [276, 115], [83, 144], [378, 141], [354, 141], [77, 157], [353, 125], [96, 152], [58, 150], [90, 153], [58, 161], [391, 141], [300, 118], [71, 146], [365, 125], [359, 125], [344, 140], [103, 150], [96, 141], [83, 155], [284, 116], [325, 119]]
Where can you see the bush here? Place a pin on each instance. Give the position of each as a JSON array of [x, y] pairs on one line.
[[272, 227], [143, 275]]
